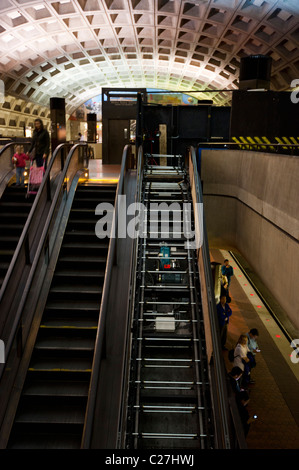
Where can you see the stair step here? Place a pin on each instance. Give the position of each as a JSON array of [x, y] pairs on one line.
[[62, 364], [67, 305], [78, 259], [56, 388], [45, 441], [79, 274], [76, 290], [65, 343], [69, 414], [14, 205], [69, 323], [84, 245]]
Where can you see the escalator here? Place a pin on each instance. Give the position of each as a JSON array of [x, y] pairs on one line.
[[53, 402], [170, 393], [14, 210]]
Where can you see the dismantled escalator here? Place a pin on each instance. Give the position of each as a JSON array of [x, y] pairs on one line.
[[169, 399]]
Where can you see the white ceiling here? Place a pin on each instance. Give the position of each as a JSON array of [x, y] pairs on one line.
[[73, 48]]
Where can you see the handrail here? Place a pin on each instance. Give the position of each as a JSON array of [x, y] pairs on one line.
[[133, 279], [26, 309], [99, 344], [11, 144], [25, 246], [217, 357]]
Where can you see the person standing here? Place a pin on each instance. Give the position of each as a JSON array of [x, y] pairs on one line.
[[40, 143], [253, 347], [19, 159], [223, 312], [227, 270], [234, 377], [241, 359]]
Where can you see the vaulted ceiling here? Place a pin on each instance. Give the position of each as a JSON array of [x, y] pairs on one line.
[[73, 48]]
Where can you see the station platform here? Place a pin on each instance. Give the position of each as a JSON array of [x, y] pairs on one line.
[[274, 397]]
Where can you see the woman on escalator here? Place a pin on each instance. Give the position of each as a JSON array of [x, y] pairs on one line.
[[40, 144]]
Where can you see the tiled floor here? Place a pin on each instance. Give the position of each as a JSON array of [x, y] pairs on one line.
[[275, 395]]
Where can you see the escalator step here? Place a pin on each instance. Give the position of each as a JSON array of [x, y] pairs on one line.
[[61, 364], [45, 441], [13, 215], [55, 388], [51, 413], [71, 289], [78, 259], [70, 323], [82, 273], [65, 343], [67, 305]]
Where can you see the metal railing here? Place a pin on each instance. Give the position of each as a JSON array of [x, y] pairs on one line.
[[100, 343], [17, 349]]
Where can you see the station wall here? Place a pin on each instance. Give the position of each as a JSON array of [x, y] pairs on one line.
[[252, 205]]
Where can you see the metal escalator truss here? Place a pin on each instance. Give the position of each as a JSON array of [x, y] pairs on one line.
[[169, 402]]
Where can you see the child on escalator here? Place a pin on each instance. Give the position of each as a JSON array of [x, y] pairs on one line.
[[19, 160]]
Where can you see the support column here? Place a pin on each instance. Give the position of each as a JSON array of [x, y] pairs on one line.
[[91, 127], [58, 126]]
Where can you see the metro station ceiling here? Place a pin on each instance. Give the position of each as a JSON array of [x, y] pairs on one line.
[[73, 48]]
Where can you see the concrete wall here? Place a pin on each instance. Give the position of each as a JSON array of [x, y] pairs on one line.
[[252, 204]]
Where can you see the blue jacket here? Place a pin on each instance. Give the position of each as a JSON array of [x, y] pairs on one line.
[[227, 271], [223, 314]]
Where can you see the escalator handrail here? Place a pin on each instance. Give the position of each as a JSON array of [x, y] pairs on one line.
[[11, 144], [39, 251], [26, 229], [98, 350], [218, 359], [133, 279]]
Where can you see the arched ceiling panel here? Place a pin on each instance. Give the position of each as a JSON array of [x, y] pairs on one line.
[[73, 48]]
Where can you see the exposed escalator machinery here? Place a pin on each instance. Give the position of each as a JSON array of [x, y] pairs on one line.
[[52, 406], [169, 399]]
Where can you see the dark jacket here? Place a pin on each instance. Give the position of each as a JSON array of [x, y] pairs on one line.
[[40, 142], [223, 314]]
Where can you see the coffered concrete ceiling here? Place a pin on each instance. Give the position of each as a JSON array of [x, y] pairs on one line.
[[73, 48]]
